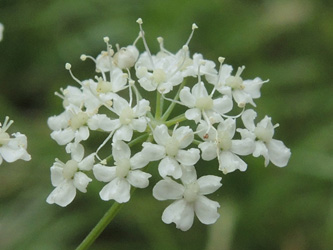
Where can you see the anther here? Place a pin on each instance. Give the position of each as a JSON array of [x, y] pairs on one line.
[[106, 39], [221, 59], [68, 66], [83, 57], [139, 21]]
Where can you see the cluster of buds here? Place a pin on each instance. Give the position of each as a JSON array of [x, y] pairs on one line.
[[117, 102]]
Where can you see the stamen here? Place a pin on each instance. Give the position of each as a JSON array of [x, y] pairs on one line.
[[194, 26], [68, 66], [139, 21], [103, 144], [84, 57], [240, 70], [236, 116], [6, 124], [221, 60]]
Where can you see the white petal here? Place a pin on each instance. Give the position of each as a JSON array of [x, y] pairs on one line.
[[141, 108], [188, 157], [222, 105], [241, 98], [242, 147], [199, 90], [278, 153], [63, 137], [56, 175], [209, 150], [120, 151], [161, 135], [248, 119], [138, 161], [253, 86], [76, 150], [118, 190], [103, 173], [82, 134], [139, 124], [153, 152], [101, 121], [209, 184], [119, 104], [124, 133], [169, 167], [168, 189], [229, 162], [138, 178], [187, 98], [63, 194], [206, 210], [81, 181], [261, 149], [184, 135], [87, 163], [189, 174], [181, 213], [193, 114]]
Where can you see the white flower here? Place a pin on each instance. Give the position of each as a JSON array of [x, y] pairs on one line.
[[159, 72], [67, 177], [170, 150], [129, 118], [203, 106], [262, 135], [242, 91], [207, 67], [12, 148], [121, 176], [190, 199], [220, 143], [69, 125]]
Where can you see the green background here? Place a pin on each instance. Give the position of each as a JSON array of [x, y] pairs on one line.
[[288, 42]]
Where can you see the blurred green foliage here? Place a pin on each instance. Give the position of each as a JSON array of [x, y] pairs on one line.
[[289, 42]]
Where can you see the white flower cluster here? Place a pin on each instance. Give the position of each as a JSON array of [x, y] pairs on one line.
[[12, 148], [118, 102]]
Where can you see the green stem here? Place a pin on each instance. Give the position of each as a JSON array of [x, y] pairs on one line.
[[167, 113], [101, 225], [159, 103], [175, 120]]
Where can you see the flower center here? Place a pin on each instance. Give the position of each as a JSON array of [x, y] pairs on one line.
[[264, 134], [204, 103], [122, 168], [126, 116], [4, 138], [235, 82], [172, 147], [224, 140], [70, 169], [159, 76], [103, 87], [191, 192], [78, 120]]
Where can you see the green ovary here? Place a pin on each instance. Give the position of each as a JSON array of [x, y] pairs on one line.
[[70, 169], [172, 147], [79, 120], [204, 103], [4, 138], [126, 116], [122, 168]]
